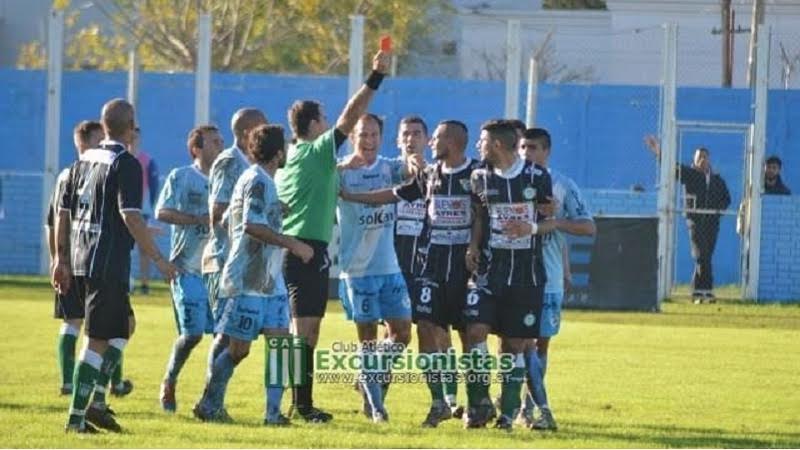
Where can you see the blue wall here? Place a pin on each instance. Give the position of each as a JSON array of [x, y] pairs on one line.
[[597, 131], [779, 274]]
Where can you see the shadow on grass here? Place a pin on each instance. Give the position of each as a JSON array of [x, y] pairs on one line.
[[677, 436], [20, 407]]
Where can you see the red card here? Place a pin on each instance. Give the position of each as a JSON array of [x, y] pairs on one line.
[[386, 43]]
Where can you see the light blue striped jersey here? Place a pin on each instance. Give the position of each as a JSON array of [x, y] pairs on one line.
[[186, 190], [570, 205], [226, 169], [367, 232], [253, 267]]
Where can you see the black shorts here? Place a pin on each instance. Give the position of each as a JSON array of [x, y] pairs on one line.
[[439, 302], [108, 310], [71, 305], [511, 311], [308, 283]]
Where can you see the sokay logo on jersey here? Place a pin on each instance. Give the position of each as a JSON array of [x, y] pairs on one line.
[[286, 360], [377, 218]]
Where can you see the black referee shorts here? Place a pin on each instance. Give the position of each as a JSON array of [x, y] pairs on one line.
[[308, 283], [71, 305], [108, 309]]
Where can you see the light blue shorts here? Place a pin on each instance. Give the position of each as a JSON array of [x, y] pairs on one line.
[[211, 281], [551, 314], [190, 304], [375, 297], [246, 316]]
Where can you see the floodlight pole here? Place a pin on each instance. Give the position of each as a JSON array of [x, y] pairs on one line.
[[756, 164], [52, 130], [202, 99], [356, 57], [666, 183], [533, 93], [513, 68]]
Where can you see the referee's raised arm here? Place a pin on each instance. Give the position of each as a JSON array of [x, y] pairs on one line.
[[308, 185], [358, 103]]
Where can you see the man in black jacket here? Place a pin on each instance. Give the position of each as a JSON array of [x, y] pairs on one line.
[[773, 184], [706, 197]]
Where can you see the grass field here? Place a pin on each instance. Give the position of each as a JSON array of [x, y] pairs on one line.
[[724, 375]]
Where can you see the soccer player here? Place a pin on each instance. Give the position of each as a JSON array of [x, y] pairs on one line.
[[412, 136], [308, 185], [225, 171], [438, 294], [252, 280], [573, 217], [372, 285], [183, 203], [508, 299], [101, 203], [519, 129], [69, 307]]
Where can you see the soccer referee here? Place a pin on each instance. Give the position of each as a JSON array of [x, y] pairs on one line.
[[309, 186]]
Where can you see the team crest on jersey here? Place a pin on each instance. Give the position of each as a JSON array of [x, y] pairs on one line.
[[465, 184], [529, 320], [528, 193]]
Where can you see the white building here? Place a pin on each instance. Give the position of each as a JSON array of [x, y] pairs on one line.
[[621, 45]]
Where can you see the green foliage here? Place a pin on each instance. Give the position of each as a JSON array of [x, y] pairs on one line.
[[721, 375], [308, 36]]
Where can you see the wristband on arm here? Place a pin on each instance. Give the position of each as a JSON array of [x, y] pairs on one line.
[[374, 80], [534, 227]]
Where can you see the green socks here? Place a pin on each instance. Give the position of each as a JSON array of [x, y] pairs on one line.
[[512, 385], [67, 339], [116, 376], [85, 377], [478, 378], [111, 359]]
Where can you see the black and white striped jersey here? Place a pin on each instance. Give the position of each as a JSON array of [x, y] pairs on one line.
[[408, 233], [103, 183], [506, 196], [448, 218]]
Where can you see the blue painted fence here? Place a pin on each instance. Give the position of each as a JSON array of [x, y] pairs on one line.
[[597, 132]]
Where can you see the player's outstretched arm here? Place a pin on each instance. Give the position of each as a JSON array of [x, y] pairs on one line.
[[217, 210], [379, 197], [264, 234], [138, 228], [358, 103], [578, 227], [175, 217]]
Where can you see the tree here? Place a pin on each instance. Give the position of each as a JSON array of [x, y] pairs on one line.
[[310, 36], [574, 4]]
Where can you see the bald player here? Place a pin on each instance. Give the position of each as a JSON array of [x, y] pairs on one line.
[[102, 203], [224, 173]]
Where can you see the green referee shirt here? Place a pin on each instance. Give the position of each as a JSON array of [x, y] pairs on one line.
[[309, 185]]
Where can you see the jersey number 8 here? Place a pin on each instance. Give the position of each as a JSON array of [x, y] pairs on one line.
[[425, 295]]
